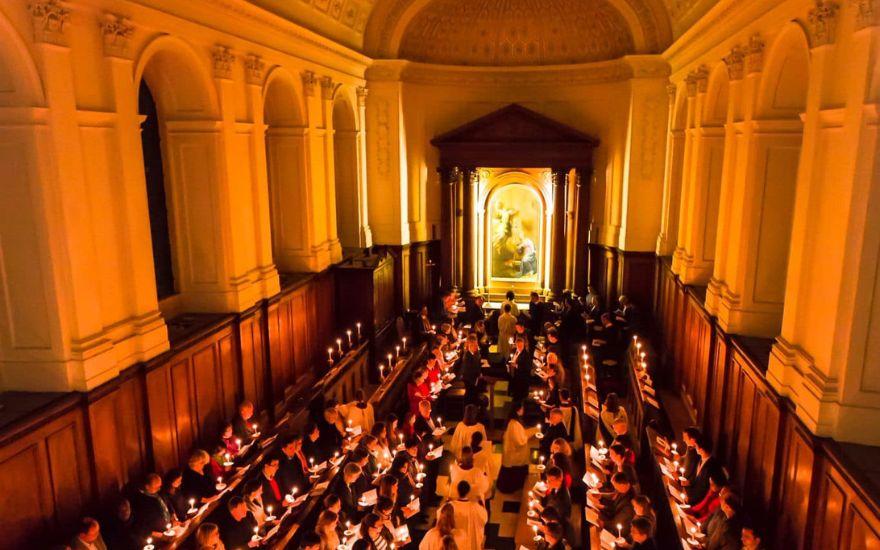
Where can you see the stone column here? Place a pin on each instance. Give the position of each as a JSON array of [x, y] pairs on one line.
[[672, 181], [448, 180], [328, 89], [559, 181], [365, 234], [469, 181], [581, 233]]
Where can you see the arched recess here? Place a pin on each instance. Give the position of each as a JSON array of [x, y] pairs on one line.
[[712, 119], [286, 152], [669, 227], [188, 132], [347, 172], [759, 264]]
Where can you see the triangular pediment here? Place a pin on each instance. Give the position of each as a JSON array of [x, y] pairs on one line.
[[513, 124]]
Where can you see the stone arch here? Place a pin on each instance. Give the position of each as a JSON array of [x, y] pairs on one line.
[[187, 111], [20, 82], [347, 170], [715, 106], [782, 93], [288, 179]]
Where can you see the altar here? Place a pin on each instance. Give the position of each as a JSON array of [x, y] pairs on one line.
[[515, 212]]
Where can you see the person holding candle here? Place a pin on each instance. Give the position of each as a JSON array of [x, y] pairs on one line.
[[326, 529], [471, 367], [253, 499], [515, 458], [172, 494], [521, 370], [88, 536], [293, 469], [371, 535], [724, 529], [238, 525], [709, 466], [329, 434], [643, 509], [701, 511], [417, 390], [149, 509], [243, 422], [230, 440], [208, 537], [346, 491], [558, 497], [197, 482], [640, 532], [612, 412], [272, 492], [691, 457], [617, 508], [358, 413], [444, 527], [555, 429], [554, 538]]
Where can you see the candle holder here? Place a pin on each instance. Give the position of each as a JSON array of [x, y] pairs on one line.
[[149, 545], [169, 530], [269, 517], [220, 485]]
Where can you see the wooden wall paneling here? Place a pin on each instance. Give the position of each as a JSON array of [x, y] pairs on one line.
[[795, 480], [714, 423], [207, 382], [635, 277], [596, 269], [383, 293], [46, 480], [862, 529], [298, 311], [253, 361], [732, 412], [183, 401], [230, 373], [281, 361], [160, 406], [745, 422], [762, 462]]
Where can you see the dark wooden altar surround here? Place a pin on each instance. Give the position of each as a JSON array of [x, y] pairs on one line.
[[511, 137]]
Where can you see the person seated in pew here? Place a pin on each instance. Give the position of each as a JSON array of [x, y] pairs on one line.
[[311, 444], [273, 494], [217, 454], [232, 442], [347, 492], [516, 451], [310, 541], [326, 528], [198, 484], [443, 528], [465, 429], [558, 498], [418, 390], [253, 499], [701, 511], [208, 537], [612, 412], [554, 538], [88, 536], [405, 473], [463, 469], [617, 508], [424, 425], [391, 515], [724, 529], [555, 429], [329, 434], [471, 517], [238, 525], [372, 536], [387, 487], [709, 466], [622, 437], [640, 531], [172, 494], [361, 457], [691, 457], [642, 508], [358, 413], [118, 529], [423, 328], [619, 463], [293, 466], [243, 425], [752, 538], [151, 514]]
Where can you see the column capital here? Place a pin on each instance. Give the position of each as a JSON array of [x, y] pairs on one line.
[[117, 31], [866, 13], [254, 69], [754, 54], [697, 81], [559, 176], [822, 21], [448, 174], [328, 87], [310, 82], [736, 62], [50, 17], [222, 58], [362, 93]]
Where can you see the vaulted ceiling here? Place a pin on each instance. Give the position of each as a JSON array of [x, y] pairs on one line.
[[495, 32]]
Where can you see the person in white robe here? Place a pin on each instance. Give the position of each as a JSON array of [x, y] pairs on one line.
[[464, 470], [471, 517], [465, 429], [445, 526]]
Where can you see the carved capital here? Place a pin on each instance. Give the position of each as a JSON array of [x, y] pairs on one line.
[[362, 92], [117, 31], [867, 14], [697, 81], [823, 23], [559, 177], [49, 19], [736, 63], [755, 54], [310, 82], [327, 87], [254, 68], [222, 59], [671, 90]]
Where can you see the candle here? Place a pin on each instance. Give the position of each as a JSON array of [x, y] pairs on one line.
[[439, 421], [348, 332], [675, 448], [339, 344], [619, 528], [396, 351], [541, 458], [390, 364], [358, 325], [293, 491], [584, 349], [404, 343], [192, 504], [254, 426], [330, 354], [149, 545], [381, 371]]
